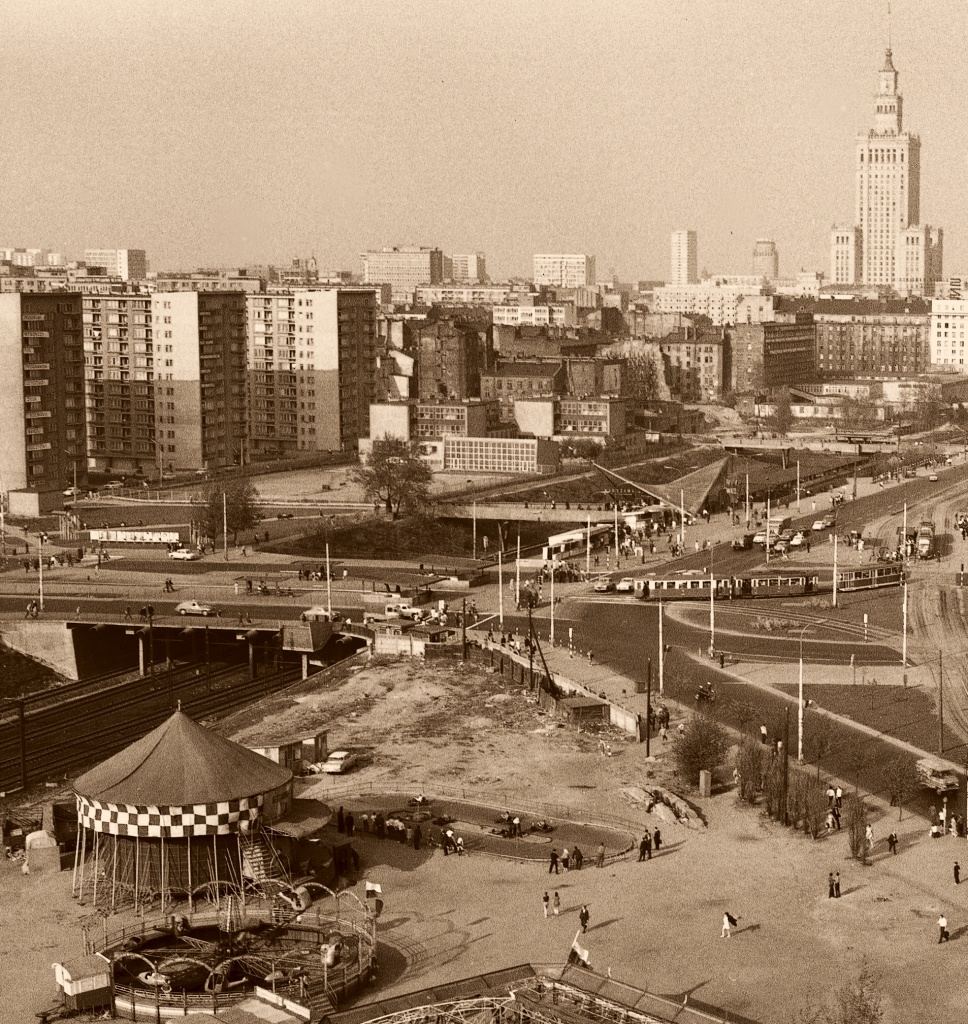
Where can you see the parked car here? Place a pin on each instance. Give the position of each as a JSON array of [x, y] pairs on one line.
[[112, 485], [72, 492], [194, 608], [626, 584], [184, 555], [340, 761], [933, 478], [937, 774], [603, 586], [798, 539]]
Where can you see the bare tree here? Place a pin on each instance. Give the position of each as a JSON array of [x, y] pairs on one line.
[[857, 1001], [750, 760], [901, 779], [855, 822]]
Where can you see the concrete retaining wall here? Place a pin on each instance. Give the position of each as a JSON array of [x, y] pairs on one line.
[[48, 641]]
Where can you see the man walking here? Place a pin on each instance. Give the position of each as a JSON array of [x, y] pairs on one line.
[[642, 850], [546, 901], [957, 873], [647, 839], [892, 843], [553, 865], [556, 904], [600, 856], [657, 840], [837, 885], [583, 916], [831, 891], [728, 920], [577, 858], [943, 935]]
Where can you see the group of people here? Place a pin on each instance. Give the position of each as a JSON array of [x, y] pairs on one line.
[[382, 826], [649, 841], [569, 861]]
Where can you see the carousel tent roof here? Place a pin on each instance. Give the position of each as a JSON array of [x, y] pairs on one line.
[[180, 763]]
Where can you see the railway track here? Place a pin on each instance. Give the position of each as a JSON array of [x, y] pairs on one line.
[[82, 729]]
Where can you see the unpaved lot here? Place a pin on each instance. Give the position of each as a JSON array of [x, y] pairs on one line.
[[656, 925]]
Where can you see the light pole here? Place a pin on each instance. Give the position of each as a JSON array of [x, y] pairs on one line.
[[800, 702]]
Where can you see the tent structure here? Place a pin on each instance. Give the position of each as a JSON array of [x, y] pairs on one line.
[[178, 814]]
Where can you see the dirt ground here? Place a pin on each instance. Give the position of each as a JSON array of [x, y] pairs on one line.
[[655, 925]]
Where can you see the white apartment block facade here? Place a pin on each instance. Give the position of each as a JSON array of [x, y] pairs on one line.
[[466, 294], [949, 328], [684, 258], [404, 268], [720, 302], [558, 315], [128, 264], [564, 270]]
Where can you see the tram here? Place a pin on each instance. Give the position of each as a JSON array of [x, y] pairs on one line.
[[871, 577]]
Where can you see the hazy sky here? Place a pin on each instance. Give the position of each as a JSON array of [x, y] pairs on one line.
[[226, 133]]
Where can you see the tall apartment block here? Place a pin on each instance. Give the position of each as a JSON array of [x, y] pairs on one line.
[[200, 378], [312, 370], [119, 395], [42, 412], [683, 258], [467, 267], [766, 259], [403, 269], [564, 270], [128, 264]]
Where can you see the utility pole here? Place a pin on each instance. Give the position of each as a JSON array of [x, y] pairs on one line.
[[329, 588], [225, 526], [40, 567], [798, 485], [552, 600], [463, 627], [500, 589], [588, 548], [904, 637], [475, 531], [786, 763], [833, 602], [661, 654], [648, 706], [940, 702]]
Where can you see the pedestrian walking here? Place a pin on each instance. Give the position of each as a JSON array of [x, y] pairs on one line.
[[449, 841], [577, 858], [830, 796], [892, 843], [553, 864], [837, 885], [957, 873], [546, 903], [647, 839], [763, 734], [657, 840], [642, 850], [869, 837], [831, 891], [564, 859], [728, 922], [839, 798], [583, 916], [556, 904], [943, 935]]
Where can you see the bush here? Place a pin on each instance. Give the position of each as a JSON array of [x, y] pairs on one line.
[[703, 747], [858, 1001], [750, 763]]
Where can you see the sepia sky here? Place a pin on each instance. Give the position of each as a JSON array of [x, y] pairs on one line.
[[221, 133]]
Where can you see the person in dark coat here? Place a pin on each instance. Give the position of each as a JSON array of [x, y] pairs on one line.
[[553, 863], [340, 820], [577, 858], [657, 840]]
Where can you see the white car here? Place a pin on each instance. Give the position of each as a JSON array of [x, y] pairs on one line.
[[339, 761], [184, 555], [626, 584], [194, 608], [797, 540], [73, 492], [113, 485]]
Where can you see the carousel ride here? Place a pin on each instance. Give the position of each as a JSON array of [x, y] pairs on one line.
[[227, 874]]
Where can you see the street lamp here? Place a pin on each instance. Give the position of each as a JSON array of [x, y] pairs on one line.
[[800, 701]]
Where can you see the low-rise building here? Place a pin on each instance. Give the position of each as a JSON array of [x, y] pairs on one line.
[[559, 418], [696, 364], [519, 379]]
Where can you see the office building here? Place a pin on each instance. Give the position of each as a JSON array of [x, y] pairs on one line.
[[119, 389], [467, 267], [891, 248], [403, 269], [563, 270], [200, 377], [128, 264], [684, 265], [42, 413], [766, 259], [311, 370]]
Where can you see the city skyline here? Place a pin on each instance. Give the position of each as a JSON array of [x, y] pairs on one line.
[[230, 135]]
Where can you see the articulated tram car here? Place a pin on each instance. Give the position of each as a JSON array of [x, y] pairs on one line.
[[727, 587], [685, 588], [871, 577]]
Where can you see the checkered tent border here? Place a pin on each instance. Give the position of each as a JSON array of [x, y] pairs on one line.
[[213, 819]]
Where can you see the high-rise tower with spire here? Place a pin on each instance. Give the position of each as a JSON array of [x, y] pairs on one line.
[[888, 247]]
